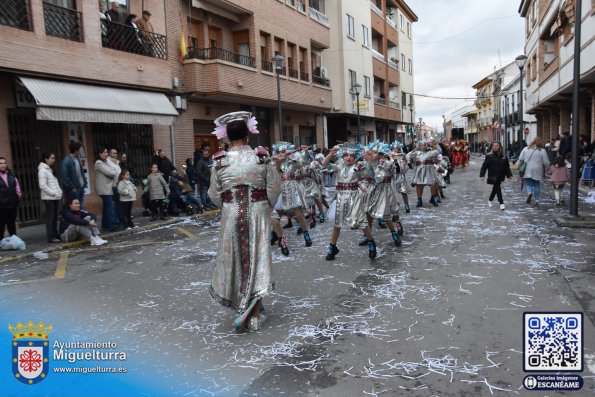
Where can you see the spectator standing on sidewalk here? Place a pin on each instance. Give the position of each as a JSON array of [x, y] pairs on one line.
[[50, 195], [127, 192], [73, 176], [10, 194], [158, 190], [164, 164], [203, 173], [498, 168], [77, 223], [113, 161], [104, 179], [191, 174], [537, 163]]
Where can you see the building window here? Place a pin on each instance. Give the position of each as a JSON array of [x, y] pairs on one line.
[[403, 65], [403, 99], [402, 22], [408, 29], [350, 27], [535, 9], [365, 36], [410, 66], [367, 87], [352, 78]]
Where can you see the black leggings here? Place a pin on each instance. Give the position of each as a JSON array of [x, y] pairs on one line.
[[8, 217], [496, 190]]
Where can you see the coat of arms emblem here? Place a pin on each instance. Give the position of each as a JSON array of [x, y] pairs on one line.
[[30, 351]]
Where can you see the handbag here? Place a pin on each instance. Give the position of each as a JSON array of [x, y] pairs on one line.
[[523, 166], [492, 180]]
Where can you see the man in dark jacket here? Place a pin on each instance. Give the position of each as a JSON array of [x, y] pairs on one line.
[[565, 144], [203, 175], [498, 168], [164, 164], [73, 176], [10, 194]]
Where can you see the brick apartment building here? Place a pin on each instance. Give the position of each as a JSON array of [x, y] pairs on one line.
[[229, 67], [68, 73]]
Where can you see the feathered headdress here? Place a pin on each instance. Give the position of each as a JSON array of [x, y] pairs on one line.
[[222, 121], [397, 145], [350, 148], [282, 147]]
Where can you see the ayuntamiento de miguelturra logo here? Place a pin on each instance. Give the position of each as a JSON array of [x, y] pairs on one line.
[[30, 351]]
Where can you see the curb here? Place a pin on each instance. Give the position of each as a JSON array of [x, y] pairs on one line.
[[79, 243], [586, 222]]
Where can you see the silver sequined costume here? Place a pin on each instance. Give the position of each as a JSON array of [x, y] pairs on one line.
[[424, 173], [350, 205], [382, 200], [292, 191], [400, 181], [246, 188]]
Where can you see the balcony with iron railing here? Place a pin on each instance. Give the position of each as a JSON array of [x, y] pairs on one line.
[[393, 63], [321, 80], [393, 104], [16, 14], [267, 66], [379, 100], [293, 73], [319, 17], [304, 75], [215, 53], [126, 38], [62, 22]]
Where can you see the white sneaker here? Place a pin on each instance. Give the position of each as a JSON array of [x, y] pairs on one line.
[[102, 241], [490, 203], [96, 240], [502, 206]]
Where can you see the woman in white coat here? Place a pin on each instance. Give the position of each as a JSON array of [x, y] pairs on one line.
[[537, 164], [51, 193]]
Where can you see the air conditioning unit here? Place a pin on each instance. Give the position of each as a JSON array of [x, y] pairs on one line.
[[323, 73], [336, 108], [175, 82], [180, 103]]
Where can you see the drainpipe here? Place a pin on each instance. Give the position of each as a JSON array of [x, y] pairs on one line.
[[172, 144]]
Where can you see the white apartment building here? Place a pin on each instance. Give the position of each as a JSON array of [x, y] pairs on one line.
[[366, 51]]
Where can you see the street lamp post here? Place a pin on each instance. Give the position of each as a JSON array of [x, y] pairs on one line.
[[412, 122], [357, 88], [520, 62], [278, 61], [421, 131]]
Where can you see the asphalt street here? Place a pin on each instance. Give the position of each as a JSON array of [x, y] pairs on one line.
[[442, 315]]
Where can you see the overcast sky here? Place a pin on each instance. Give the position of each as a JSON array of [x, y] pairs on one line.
[[456, 44]]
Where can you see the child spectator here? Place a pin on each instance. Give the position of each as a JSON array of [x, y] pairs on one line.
[[158, 190], [559, 176], [127, 192]]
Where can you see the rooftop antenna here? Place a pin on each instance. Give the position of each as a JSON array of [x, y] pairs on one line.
[[499, 59]]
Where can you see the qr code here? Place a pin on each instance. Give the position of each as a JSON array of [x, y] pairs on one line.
[[553, 341]]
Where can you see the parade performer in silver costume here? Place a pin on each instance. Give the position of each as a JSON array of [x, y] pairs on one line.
[[293, 200], [425, 173], [350, 207], [245, 185], [400, 181], [382, 201]]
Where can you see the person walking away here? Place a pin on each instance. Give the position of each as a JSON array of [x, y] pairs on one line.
[[246, 187], [113, 161], [104, 178], [203, 174], [10, 195], [158, 190], [72, 173], [127, 192], [537, 163], [77, 223], [498, 168], [50, 195], [559, 176]]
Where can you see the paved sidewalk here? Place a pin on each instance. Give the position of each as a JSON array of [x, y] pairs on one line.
[[36, 240]]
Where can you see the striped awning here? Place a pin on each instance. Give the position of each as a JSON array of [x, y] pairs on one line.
[[68, 101]]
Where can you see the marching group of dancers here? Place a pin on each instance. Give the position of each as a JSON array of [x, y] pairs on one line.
[[255, 189], [371, 185]]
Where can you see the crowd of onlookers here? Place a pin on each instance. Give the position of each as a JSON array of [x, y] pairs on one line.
[[166, 191]]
